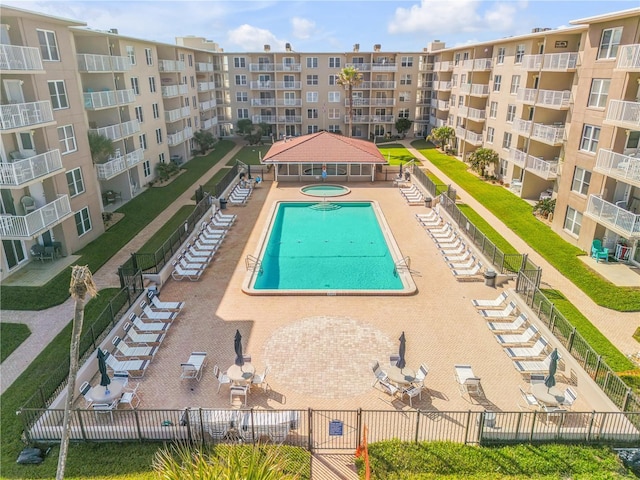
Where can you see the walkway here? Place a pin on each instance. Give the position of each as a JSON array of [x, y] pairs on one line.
[[46, 324], [618, 327]]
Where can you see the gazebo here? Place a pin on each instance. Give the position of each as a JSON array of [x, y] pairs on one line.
[[341, 158]]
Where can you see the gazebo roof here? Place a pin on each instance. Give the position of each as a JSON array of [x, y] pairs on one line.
[[324, 147]]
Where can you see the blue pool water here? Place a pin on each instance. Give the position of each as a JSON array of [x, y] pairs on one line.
[[322, 190], [326, 246]]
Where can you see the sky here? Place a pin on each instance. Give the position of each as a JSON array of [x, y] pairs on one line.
[[325, 26]]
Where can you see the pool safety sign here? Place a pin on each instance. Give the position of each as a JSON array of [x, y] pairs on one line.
[[335, 428]]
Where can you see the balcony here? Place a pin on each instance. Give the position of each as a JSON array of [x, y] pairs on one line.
[[545, 98], [623, 114], [552, 62], [481, 64], [119, 130], [272, 85], [443, 67], [615, 218], [276, 119], [479, 90], [23, 115], [371, 119], [22, 172], [542, 168], [208, 105], [102, 63], [210, 122], [361, 67], [16, 227], [109, 98], [518, 157], [15, 58], [629, 58], [177, 114], [275, 67], [204, 67], [442, 105], [468, 136], [521, 127], [171, 66], [116, 165], [438, 122], [619, 166], [465, 64], [549, 134], [442, 86], [423, 101], [384, 67], [179, 137], [472, 113], [385, 85], [373, 102], [206, 86], [174, 90]]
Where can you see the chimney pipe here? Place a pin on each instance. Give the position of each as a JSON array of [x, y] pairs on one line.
[[356, 47], [267, 48]]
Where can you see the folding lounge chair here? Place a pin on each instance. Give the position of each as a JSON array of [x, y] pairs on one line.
[[225, 217], [507, 312], [446, 228], [157, 304], [522, 338], [448, 240], [428, 217], [491, 303], [182, 262], [194, 252], [537, 350], [417, 200], [412, 190], [130, 351], [180, 273], [468, 272], [163, 316], [533, 366], [461, 257], [454, 248], [148, 327], [520, 322], [210, 247], [216, 222], [194, 366], [137, 337], [202, 260], [129, 365], [212, 231], [208, 236], [468, 264]]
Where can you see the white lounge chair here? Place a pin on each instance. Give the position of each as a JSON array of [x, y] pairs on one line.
[[530, 401], [517, 324], [221, 377], [461, 257], [137, 337], [211, 231], [508, 311], [160, 315], [428, 217], [148, 327], [533, 366], [131, 351], [206, 247], [225, 217], [451, 237], [454, 246], [421, 376], [570, 397], [202, 260], [157, 304], [468, 264], [491, 303], [194, 252], [537, 350], [467, 272], [467, 381], [220, 222], [129, 365], [440, 231], [180, 273], [522, 338], [381, 375], [194, 366], [275, 425], [208, 240]]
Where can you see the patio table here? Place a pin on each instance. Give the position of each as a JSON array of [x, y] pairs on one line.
[[97, 394], [403, 376], [241, 375], [549, 396]]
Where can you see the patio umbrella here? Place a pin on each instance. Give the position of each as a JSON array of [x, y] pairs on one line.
[[104, 375], [237, 346], [249, 172], [403, 346], [550, 380]]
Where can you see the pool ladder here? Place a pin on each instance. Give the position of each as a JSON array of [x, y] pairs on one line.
[[253, 264], [404, 264]]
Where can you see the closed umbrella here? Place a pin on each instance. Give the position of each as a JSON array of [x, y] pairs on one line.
[[104, 375], [550, 380], [403, 346], [237, 346], [249, 172]]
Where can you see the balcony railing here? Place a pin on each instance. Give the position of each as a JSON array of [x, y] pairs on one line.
[[21, 115], [527, 95], [384, 67], [110, 98], [465, 64], [371, 118], [468, 136], [542, 168], [624, 114], [618, 165], [556, 62], [361, 67], [208, 105], [522, 127], [442, 105], [545, 98], [16, 57], [613, 217], [179, 137], [174, 90], [374, 102], [171, 66], [439, 122], [479, 90], [102, 63], [442, 86], [443, 66], [552, 135], [117, 165], [472, 113], [629, 57], [272, 85], [210, 122], [119, 130], [482, 64], [177, 114], [204, 67], [274, 67], [518, 157], [206, 86], [23, 171], [37, 222]]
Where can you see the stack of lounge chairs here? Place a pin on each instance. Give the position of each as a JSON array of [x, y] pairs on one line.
[[240, 194], [412, 195]]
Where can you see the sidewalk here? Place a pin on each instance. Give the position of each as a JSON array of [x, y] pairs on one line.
[[618, 327], [46, 324]]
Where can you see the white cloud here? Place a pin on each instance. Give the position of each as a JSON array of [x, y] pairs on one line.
[[437, 16], [251, 38], [302, 28]]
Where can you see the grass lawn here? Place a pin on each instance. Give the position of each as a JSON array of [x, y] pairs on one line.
[[11, 336], [250, 154], [395, 153], [162, 235], [516, 214], [138, 213]]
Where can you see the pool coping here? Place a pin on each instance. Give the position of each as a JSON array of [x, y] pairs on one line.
[[403, 268], [348, 190]]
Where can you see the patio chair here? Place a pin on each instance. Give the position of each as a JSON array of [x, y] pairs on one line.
[[554, 414], [522, 338], [210, 239], [530, 401], [163, 316], [205, 247], [260, 380], [237, 390], [570, 397], [195, 253], [210, 232], [183, 263], [393, 360], [224, 216], [220, 223], [194, 367], [421, 376], [28, 203], [104, 408], [128, 351], [412, 392], [195, 260], [536, 350], [381, 375], [131, 398], [148, 327], [491, 303], [157, 304], [246, 358], [389, 389], [598, 251], [520, 321], [122, 377], [536, 378], [84, 391], [222, 378], [129, 365], [456, 249], [507, 312]]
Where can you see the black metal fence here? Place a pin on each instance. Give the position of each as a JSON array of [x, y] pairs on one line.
[[225, 181], [434, 189]]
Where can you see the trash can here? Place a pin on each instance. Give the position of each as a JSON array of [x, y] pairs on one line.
[[490, 278], [428, 201], [223, 204]]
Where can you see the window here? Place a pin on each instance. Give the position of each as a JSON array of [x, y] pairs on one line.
[[156, 110], [58, 95], [511, 113], [193, 81], [186, 102], [573, 221], [148, 56], [461, 101], [452, 99], [454, 80], [194, 102], [609, 43], [159, 135], [312, 129], [504, 165], [241, 79], [239, 62], [131, 53], [515, 84], [67, 138], [490, 134], [493, 109], [139, 115], [404, 97], [334, 62], [500, 57], [83, 221], [463, 78], [506, 140], [333, 79], [497, 80], [334, 113], [405, 79], [456, 59], [334, 128], [243, 113], [48, 45], [312, 97], [152, 84], [312, 62], [242, 97], [134, 85], [406, 61], [143, 141], [312, 79], [403, 113], [161, 157], [590, 137], [581, 180], [312, 113], [146, 168], [75, 182], [334, 97], [190, 57], [519, 53], [599, 92]]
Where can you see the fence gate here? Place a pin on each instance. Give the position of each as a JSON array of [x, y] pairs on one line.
[[334, 430]]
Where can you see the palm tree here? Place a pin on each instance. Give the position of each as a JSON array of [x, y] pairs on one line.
[[350, 77], [101, 147], [482, 158], [442, 135]]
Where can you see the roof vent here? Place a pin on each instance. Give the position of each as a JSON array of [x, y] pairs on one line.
[[287, 47], [377, 47], [356, 47], [113, 30], [267, 48]]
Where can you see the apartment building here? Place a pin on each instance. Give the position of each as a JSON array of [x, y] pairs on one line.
[[561, 108]]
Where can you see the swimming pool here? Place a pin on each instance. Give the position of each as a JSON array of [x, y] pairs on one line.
[[327, 248], [322, 190]]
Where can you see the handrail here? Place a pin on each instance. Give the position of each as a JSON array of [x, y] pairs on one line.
[[402, 264], [252, 263]]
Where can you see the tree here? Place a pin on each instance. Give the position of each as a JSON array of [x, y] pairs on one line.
[[245, 126], [442, 135], [349, 78], [545, 207], [205, 140], [101, 147], [403, 125], [481, 158]]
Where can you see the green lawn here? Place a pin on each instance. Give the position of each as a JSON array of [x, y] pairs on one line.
[[11, 336], [516, 214], [395, 153], [250, 154], [162, 235]]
